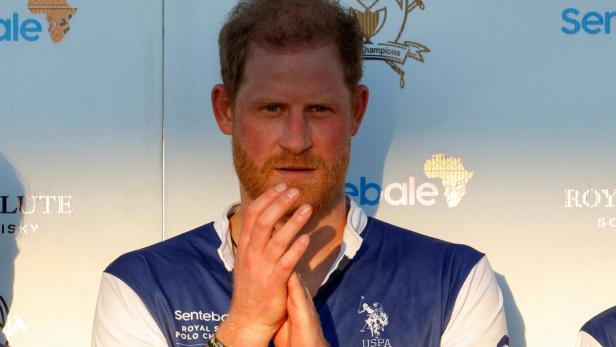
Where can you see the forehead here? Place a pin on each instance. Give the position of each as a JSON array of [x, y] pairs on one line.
[[305, 69]]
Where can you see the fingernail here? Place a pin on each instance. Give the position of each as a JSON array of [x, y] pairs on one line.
[[304, 209], [304, 240], [292, 193], [280, 187]]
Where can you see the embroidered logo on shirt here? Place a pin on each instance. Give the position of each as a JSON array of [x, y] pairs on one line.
[[194, 328], [376, 319]]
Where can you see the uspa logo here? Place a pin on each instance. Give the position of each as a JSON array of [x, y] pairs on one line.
[[452, 174], [591, 22], [383, 23], [17, 27], [375, 322]]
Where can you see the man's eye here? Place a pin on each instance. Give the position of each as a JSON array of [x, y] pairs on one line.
[[272, 108], [319, 108]]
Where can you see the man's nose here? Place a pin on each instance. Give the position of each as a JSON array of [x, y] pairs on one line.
[[296, 136]]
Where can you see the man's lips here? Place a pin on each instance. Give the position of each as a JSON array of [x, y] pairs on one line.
[[295, 168], [295, 171]]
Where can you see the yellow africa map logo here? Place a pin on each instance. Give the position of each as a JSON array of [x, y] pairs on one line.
[[454, 178], [453, 175], [58, 14], [383, 23]]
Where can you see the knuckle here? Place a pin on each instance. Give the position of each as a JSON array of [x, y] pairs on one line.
[[294, 222], [285, 265], [261, 223], [282, 200], [277, 243], [250, 211], [251, 259]]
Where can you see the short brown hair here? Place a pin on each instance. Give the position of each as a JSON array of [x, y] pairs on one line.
[[281, 24]]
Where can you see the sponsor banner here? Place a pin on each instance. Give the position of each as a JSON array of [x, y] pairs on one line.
[[482, 129], [80, 157], [508, 105]]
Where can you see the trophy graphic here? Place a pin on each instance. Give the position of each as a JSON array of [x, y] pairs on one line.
[[370, 22], [396, 50]]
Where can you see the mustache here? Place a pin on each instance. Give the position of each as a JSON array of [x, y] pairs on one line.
[[292, 160]]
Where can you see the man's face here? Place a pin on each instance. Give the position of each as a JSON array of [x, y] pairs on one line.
[[292, 123]]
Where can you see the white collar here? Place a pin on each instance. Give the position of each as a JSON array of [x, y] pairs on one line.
[[351, 239]]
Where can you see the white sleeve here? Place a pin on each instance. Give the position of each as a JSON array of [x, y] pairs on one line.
[[478, 316], [121, 318], [586, 340]]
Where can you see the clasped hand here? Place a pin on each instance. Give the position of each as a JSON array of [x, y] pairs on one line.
[[269, 301]]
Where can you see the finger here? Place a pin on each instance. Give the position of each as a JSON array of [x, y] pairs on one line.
[[281, 338], [281, 240], [285, 266], [302, 309], [252, 212], [296, 291], [265, 222], [307, 295]]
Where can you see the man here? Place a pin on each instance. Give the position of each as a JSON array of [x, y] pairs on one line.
[[294, 259], [600, 331]]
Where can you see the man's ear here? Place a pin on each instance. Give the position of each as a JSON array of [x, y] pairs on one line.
[[360, 104], [222, 107]]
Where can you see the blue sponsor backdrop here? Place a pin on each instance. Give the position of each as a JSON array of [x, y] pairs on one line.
[[109, 137], [80, 140], [523, 105]]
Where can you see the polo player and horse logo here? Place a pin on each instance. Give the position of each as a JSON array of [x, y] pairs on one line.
[[376, 318]]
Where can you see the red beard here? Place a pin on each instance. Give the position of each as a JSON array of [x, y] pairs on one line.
[[319, 191]]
